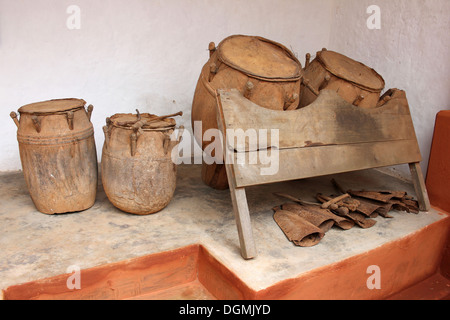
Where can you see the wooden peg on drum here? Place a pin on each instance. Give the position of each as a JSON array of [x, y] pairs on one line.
[[90, 108], [358, 100], [106, 132], [70, 119], [37, 123], [14, 117], [248, 89], [168, 144], [212, 71], [325, 82], [133, 139], [308, 60], [211, 48]]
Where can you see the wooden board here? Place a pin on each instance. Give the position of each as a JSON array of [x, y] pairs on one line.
[[327, 137], [327, 121], [300, 163]]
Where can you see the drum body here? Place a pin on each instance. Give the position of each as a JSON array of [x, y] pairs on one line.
[[58, 155], [352, 80], [138, 173], [265, 72]]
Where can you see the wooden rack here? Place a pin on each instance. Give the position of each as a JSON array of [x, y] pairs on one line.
[[327, 137]]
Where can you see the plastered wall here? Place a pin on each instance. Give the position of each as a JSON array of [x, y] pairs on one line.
[[411, 50], [131, 54], [147, 54]]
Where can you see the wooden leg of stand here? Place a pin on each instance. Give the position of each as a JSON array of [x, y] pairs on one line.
[[419, 186], [242, 215]]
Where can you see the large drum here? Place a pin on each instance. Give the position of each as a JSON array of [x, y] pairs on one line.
[[352, 80], [58, 154], [266, 72], [138, 173]]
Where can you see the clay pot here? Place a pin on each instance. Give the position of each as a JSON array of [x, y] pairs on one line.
[[58, 154], [266, 72], [352, 80], [138, 173]]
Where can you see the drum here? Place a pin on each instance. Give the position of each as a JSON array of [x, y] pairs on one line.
[[138, 173], [58, 154], [266, 72], [352, 80]]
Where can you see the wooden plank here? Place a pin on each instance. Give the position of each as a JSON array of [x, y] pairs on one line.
[[419, 186], [328, 121], [299, 163], [238, 197]]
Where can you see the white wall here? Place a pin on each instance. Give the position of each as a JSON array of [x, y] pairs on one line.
[[131, 54], [411, 51], [147, 54]]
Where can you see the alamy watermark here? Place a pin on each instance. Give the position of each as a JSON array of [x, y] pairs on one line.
[[74, 280], [251, 146], [73, 21], [374, 20], [374, 281]]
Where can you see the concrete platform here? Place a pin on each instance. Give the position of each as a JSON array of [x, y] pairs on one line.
[[407, 248]]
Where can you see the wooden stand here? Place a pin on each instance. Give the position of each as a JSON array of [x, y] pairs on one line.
[[327, 137]]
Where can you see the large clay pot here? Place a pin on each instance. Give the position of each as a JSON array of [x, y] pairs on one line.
[[266, 72], [58, 154], [138, 173], [353, 81]]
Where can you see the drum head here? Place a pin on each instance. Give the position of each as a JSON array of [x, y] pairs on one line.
[[53, 106], [353, 71], [127, 120], [259, 57]]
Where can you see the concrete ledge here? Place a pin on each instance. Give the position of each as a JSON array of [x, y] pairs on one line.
[[407, 248]]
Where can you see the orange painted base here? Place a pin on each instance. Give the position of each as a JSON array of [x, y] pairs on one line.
[[438, 175], [192, 273]]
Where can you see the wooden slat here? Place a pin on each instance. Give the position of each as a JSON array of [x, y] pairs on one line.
[[420, 187], [299, 163], [238, 198], [328, 121]]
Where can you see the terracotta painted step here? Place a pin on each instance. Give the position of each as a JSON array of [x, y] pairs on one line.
[[189, 291], [436, 287]]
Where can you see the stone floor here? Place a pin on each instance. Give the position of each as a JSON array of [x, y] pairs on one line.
[[35, 246]]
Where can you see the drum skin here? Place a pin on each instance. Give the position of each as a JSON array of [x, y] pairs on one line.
[[265, 72], [352, 80], [142, 183], [59, 163]]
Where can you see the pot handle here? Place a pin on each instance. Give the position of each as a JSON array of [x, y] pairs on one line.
[[14, 117]]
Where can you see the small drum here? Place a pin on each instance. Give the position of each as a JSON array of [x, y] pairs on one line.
[[58, 154], [266, 72], [138, 173], [352, 80]]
